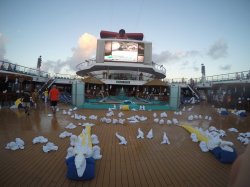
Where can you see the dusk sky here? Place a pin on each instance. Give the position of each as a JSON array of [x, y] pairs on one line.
[[184, 33]]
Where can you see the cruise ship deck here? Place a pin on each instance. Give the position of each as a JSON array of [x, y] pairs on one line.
[[144, 162]]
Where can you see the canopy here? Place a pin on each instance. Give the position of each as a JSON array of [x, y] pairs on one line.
[[155, 82], [92, 80]]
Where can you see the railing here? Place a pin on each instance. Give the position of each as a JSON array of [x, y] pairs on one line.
[[7, 66], [15, 68], [66, 76], [236, 76], [159, 67], [91, 62], [123, 76], [85, 64]]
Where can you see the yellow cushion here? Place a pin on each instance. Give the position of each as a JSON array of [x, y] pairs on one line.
[[18, 101], [125, 107], [196, 131], [88, 138]]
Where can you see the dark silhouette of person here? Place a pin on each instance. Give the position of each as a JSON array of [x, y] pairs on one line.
[[122, 34]]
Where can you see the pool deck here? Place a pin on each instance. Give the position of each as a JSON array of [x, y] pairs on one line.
[[141, 162]]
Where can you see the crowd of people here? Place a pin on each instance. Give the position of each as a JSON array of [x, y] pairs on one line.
[[31, 100]]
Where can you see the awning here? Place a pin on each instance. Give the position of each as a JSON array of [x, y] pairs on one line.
[[156, 82], [92, 80]]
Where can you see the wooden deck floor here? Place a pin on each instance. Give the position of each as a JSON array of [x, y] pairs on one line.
[[139, 163]]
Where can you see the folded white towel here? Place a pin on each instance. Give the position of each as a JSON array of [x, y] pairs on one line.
[[70, 126]]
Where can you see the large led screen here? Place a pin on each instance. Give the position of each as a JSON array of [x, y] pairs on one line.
[[124, 51]]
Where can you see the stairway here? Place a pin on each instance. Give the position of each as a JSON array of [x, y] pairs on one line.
[[47, 84], [194, 92]]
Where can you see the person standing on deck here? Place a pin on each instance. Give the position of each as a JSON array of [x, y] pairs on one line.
[[35, 97], [54, 98], [46, 94], [26, 102]]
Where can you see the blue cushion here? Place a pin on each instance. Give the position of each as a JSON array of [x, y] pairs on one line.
[[88, 174], [224, 156], [224, 112], [216, 152], [228, 157], [243, 114]]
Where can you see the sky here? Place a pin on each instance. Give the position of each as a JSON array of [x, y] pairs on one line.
[[184, 33]]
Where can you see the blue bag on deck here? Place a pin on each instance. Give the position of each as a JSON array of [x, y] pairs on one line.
[[88, 174]]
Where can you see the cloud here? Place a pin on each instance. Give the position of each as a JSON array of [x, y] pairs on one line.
[[225, 67], [167, 56], [2, 46], [218, 49], [85, 49], [195, 68]]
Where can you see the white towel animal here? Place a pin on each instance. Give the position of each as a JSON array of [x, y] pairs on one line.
[[123, 141], [20, 143], [120, 114], [233, 130], [73, 140], [190, 118], [39, 139], [70, 126], [50, 147], [161, 121], [194, 137], [156, 120], [165, 139], [70, 152], [164, 115], [93, 117], [121, 121], [80, 163], [12, 146], [94, 139], [169, 122], [203, 146], [65, 134], [150, 134], [175, 121], [97, 152], [140, 134]]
